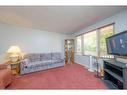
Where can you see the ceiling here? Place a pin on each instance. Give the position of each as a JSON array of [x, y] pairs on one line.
[[61, 19]]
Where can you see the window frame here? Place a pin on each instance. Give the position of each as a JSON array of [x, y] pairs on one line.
[[79, 53], [97, 40], [95, 30]]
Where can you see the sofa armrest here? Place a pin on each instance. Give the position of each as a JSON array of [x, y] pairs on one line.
[[3, 66], [63, 59], [25, 62], [5, 78]]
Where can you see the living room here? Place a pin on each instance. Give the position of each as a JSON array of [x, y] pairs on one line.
[[34, 46]]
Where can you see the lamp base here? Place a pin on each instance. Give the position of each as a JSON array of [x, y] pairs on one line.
[[14, 59]]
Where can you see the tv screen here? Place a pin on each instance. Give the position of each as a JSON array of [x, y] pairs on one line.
[[117, 44]]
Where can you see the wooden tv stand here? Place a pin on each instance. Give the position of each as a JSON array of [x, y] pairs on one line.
[[115, 74]]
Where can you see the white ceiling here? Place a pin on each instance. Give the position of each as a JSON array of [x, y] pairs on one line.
[[64, 19]]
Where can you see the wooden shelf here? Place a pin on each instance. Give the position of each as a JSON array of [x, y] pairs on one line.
[[69, 51]]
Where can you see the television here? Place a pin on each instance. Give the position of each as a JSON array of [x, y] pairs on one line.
[[117, 44]]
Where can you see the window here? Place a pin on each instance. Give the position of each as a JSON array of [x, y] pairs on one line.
[[90, 43], [103, 34], [94, 42], [79, 44]]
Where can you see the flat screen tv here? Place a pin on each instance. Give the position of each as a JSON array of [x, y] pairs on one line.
[[117, 44]]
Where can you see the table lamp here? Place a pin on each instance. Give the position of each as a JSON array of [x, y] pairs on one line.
[[14, 53]]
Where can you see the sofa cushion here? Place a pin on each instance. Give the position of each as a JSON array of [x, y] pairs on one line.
[[38, 63], [26, 61], [46, 61], [34, 64], [45, 56], [56, 56], [57, 60], [33, 57]]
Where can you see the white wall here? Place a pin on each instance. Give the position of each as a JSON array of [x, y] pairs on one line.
[[120, 21], [29, 40]]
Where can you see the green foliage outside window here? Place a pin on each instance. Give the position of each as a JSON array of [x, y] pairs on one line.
[[90, 41], [104, 33]]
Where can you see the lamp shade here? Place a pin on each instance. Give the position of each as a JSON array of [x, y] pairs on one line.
[[14, 50]]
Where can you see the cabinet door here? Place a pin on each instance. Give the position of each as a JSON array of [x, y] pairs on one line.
[[125, 78]]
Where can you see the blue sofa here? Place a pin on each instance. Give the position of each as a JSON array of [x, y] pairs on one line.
[[36, 62]]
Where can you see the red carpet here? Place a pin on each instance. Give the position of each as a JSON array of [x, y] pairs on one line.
[[72, 76]]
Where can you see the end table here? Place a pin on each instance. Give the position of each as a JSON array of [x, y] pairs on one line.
[[15, 67]]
